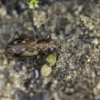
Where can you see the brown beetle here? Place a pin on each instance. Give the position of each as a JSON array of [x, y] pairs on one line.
[[28, 47]]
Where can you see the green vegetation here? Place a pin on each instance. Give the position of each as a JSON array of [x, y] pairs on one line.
[[31, 3], [45, 70], [51, 59]]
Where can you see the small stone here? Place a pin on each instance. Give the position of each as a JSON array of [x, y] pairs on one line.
[[95, 41], [98, 85]]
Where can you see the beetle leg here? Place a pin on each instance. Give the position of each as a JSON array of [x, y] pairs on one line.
[[48, 38], [37, 35], [17, 34]]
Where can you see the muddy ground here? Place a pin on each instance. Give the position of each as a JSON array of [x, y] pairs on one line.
[[75, 26]]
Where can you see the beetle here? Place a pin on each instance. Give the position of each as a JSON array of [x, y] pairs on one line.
[[27, 47]]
